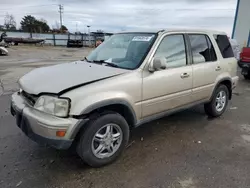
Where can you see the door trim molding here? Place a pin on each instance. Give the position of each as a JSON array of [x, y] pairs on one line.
[[168, 112]]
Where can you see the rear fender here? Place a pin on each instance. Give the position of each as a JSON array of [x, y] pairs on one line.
[[224, 78]]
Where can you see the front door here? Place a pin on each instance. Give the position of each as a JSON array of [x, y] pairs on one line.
[[168, 88]]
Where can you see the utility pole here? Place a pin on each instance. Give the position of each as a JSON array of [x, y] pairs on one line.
[[60, 11], [88, 26]]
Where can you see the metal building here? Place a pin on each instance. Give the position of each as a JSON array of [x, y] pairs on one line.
[[241, 27]]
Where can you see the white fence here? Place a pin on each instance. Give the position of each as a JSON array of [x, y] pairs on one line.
[[55, 39]]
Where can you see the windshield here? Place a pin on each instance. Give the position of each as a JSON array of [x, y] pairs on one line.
[[124, 50]]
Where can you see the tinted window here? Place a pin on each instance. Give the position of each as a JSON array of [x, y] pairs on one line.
[[172, 47], [202, 49], [224, 46], [211, 50]]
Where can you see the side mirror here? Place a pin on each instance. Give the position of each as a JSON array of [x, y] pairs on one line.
[[157, 63]]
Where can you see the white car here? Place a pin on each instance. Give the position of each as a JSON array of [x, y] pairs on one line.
[[3, 51]]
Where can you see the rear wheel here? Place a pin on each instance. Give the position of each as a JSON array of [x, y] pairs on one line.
[[247, 77], [103, 140], [217, 106]]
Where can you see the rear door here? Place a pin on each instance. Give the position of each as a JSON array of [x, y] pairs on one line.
[[205, 66]]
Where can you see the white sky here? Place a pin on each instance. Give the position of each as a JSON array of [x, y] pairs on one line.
[[117, 15]]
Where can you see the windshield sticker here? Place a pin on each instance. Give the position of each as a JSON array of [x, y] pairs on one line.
[[142, 38]]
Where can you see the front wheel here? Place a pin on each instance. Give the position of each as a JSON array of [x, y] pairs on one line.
[[103, 140], [217, 106]]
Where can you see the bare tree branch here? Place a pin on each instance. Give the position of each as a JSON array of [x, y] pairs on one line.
[[9, 22]]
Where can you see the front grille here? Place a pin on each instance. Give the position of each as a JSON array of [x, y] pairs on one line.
[[31, 99]]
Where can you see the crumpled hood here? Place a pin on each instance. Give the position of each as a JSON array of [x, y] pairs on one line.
[[57, 78]]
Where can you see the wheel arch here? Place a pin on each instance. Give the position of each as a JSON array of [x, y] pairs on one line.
[[121, 107], [115, 105], [228, 83]]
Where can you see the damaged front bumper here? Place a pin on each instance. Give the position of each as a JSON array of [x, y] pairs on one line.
[[42, 127]]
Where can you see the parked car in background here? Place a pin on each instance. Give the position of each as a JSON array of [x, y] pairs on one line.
[[3, 51], [131, 79], [236, 48], [244, 62]]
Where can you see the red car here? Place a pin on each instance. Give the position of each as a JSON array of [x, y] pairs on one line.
[[244, 62]]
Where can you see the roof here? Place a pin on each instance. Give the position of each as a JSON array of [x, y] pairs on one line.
[[175, 30]]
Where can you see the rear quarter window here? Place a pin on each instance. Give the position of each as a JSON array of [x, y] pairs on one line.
[[224, 46]]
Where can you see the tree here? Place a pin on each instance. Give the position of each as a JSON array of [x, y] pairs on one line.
[[31, 24], [64, 29], [28, 23], [9, 22], [58, 29], [42, 26]]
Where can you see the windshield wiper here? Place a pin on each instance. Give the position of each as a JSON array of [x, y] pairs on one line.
[[111, 64], [98, 61], [107, 63]]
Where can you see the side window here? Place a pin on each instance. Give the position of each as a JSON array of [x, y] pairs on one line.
[[211, 50], [172, 47], [202, 49], [224, 46]]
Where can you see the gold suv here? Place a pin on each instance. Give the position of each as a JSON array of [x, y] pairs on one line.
[[130, 79]]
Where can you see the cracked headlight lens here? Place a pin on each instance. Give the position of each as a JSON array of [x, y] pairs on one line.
[[53, 105]]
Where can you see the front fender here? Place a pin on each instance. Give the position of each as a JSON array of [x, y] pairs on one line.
[[93, 102]]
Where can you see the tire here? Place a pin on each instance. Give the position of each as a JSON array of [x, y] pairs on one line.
[[210, 108], [86, 146], [247, 77]]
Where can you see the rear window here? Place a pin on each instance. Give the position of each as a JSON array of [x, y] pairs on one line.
[[224, 46]]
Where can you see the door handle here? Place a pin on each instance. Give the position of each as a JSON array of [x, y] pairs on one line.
[[218, 68], [184, 75]]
